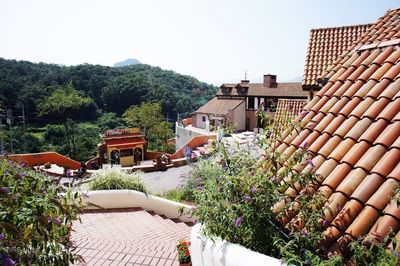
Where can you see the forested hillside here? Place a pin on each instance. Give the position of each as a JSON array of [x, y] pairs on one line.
[[111, 89], [66, 107]]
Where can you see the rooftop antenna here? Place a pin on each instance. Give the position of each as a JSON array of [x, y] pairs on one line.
[[245, 74]]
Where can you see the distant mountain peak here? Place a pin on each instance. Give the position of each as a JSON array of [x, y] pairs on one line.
[[127, 62]]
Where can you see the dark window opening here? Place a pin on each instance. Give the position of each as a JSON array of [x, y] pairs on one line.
[[138, 155], [204, 119], [270, 105], [126, 153], [250, 103]]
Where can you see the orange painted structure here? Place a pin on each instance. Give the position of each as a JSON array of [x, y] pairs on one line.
[[34, 159], [119, 143], [193, 143], [126, 146]]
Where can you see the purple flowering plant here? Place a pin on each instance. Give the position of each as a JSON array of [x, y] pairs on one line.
[[367, 252], [34, 226], [239, 207]]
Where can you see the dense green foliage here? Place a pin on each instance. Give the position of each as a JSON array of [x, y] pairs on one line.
[[111, 89], [85, 137], [114, 179], [35, 218], [109, 121]]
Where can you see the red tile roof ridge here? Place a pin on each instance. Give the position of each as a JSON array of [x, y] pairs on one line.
[[342, 27], [282, 89], [259, 83], [218, 106], [379, 44]]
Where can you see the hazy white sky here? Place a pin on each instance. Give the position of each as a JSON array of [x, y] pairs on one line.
[[212, 40]]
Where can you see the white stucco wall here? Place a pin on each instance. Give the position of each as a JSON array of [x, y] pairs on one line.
[[184, 135], [205, 252], [114, 199]]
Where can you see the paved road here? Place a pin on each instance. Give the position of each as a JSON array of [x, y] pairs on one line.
[[162, 181], [156, 182]]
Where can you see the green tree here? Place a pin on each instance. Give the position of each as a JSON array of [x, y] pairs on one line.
[[86, 138], [109, 121], [149, 119], [65, 102], [160, 135]]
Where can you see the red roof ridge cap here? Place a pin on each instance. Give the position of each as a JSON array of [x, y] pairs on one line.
[[380, 44], [394, 8], [341, 27]]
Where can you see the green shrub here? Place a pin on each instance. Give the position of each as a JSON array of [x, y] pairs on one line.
[[175, 194], [35, 218], [203, 169], [114, 179]]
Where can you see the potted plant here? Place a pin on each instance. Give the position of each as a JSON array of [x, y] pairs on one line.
[[184, 253]]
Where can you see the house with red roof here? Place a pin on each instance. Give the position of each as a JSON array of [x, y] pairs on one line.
[[238, 103]]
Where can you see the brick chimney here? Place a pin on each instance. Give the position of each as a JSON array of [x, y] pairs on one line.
[[270, 81]]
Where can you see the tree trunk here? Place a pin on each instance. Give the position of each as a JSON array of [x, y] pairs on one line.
[[73, 141], [68, 140]]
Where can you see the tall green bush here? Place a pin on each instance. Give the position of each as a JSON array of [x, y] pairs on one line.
[[35, 218]]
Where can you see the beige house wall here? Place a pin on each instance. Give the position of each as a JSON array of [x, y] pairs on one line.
[[197, 120], [239, 116]]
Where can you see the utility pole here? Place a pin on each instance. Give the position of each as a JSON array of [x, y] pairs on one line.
[[9, 122], [23, 127]]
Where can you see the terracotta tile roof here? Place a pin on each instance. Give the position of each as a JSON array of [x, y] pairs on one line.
[[285, 90], [187, 121], [286, 111], [325, 46], [352, 127], [127, 237], [219, 106]]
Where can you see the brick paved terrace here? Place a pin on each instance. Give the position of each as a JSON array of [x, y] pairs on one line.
[[127, 237]]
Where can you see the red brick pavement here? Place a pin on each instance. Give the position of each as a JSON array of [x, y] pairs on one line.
[[127, 237]]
